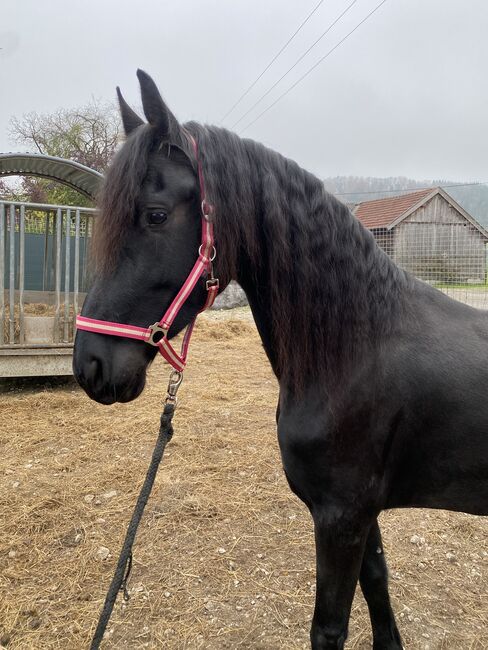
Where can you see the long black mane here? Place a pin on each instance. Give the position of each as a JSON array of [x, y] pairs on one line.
[[330, 290]]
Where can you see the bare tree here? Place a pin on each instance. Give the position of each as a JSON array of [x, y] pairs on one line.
[[88, 135]]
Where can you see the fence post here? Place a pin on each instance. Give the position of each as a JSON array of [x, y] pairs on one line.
[[76, 277], [12, 276], [57, 275], [67, 240], [21, 273], [2, 273]]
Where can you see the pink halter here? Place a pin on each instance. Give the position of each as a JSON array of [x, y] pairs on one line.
[[156, 334]]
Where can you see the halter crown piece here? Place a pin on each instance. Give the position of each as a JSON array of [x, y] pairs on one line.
[[157, 334]]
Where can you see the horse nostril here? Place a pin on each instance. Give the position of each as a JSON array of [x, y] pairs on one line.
[[93, 371]]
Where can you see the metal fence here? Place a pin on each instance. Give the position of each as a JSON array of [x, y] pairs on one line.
[[450, 256], [43, 268]]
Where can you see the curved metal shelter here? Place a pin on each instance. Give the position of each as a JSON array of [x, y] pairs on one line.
[[77, 176]]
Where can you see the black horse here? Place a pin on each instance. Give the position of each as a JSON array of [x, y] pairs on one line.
[[382, 378]]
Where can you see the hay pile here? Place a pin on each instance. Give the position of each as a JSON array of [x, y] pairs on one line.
[[224, 557]]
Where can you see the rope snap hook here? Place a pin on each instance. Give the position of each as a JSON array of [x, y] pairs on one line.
[[175, 379]]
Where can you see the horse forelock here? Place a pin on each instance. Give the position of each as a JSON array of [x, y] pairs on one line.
[[121, 190]]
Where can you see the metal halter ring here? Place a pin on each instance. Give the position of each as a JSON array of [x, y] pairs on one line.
[[206, 210], [213, 253], [156, 329]]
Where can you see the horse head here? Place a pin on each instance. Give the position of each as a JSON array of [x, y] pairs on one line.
[[147, 237]]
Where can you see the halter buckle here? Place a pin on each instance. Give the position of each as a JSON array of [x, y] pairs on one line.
[[156, 329], [212, 282]]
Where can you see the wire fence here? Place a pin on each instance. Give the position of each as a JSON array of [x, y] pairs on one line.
[[450, 256]]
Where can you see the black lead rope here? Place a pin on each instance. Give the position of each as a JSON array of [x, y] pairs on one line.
[[124, 565]]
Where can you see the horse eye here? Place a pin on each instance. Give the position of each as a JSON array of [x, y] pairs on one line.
[[157, 217]]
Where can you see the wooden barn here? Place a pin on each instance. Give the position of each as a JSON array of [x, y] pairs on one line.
[[427, 233]]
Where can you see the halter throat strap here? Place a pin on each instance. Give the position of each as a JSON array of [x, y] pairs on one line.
[[157, 334]]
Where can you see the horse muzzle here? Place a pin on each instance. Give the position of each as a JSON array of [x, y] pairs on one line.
[[109, 370]]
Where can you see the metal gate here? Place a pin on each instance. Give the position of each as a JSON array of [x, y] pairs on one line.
[[44, 275]]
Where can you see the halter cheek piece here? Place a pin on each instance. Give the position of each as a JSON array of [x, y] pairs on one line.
[[157, 334]]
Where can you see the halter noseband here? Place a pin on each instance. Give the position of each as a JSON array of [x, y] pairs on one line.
[[157, 334]]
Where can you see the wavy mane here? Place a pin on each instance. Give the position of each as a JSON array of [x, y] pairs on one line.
[[330, 290]]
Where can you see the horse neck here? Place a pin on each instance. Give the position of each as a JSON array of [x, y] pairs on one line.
[[321, 290]]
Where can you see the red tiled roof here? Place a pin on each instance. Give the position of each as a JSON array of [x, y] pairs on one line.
[[382, 212]]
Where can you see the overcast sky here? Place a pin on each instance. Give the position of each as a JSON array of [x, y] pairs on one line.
[[405, 94]]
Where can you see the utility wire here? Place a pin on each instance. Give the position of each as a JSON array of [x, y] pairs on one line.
[[411, 189], [295, 64], [272, 61], [314, 66]]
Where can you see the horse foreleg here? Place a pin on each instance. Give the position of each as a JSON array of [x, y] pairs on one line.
[[374, 584], [341, 494], [340, 541]]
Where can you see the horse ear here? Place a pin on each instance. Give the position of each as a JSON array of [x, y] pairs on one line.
[[130, 119], [156, 111]]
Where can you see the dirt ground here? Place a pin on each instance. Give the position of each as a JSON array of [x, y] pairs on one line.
[[224, 557]]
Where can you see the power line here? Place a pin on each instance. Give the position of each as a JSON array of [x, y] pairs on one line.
[[411, 189], [295, 64], [272, 61], [314, 66]]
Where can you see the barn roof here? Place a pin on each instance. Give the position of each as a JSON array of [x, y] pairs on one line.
[[382, 213], [388, 213]]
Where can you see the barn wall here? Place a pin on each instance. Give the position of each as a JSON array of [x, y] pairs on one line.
[[437, 244]]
